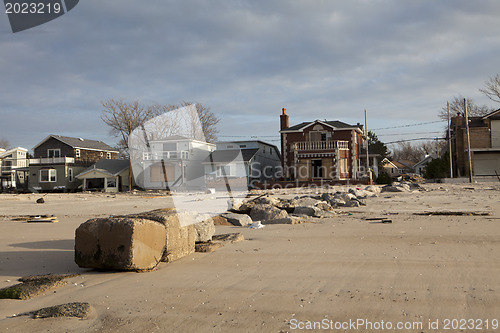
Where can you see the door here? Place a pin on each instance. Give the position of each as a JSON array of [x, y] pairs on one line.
[[317, 168]]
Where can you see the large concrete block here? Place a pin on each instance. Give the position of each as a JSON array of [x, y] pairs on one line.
[[180, 231], [119, 243]]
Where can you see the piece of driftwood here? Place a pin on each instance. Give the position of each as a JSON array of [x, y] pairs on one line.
[[453, 213]]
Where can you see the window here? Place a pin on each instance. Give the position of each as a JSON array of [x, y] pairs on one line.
[[270, 151], [77, 153], [343, 165], [53, 153], [243, 146], [108, 156], [228, 170], [170, 146], [111, 182], [47, 175], [71, 176], [229, 146]]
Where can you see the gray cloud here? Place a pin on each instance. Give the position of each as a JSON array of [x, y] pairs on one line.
[[246, 59]]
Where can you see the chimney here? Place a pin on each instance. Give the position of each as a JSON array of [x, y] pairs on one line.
[[283, 120]]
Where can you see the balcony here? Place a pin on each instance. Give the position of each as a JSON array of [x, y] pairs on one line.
[[165, 155], [52, 160], [320, 145]]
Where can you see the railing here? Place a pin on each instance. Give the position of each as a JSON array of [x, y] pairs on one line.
[[320, 145], [52, 160], [158, 155]]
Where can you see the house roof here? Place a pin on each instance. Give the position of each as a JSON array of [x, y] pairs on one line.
[[79, 143], [4, 152], [396, 164], [492, 114], [110, 167], [331, 123], [407, 163], [258, 141], [229, 155], [424, 161]]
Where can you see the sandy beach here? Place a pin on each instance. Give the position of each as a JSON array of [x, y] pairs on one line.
[[423, 273]]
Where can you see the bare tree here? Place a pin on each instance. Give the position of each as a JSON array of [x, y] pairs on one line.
[[492, 88], [415, 152], [457, 107], [208, 121], [124, 117], [4, 143]]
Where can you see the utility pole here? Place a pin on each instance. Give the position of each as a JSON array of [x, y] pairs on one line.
[[449, 140], [367, 160], [469, 156]]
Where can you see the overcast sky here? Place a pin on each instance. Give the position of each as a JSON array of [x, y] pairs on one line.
[[400, 60]]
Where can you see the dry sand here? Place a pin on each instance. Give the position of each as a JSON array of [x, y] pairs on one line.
[[417, 269]]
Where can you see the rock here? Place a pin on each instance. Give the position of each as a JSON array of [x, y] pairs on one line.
[[262, 212], [219, 220], [241, 220], [40, 201], [234, 205], [373, 189], [327, 196], [324, 206], [352, 203], [306, 211], [391, 188], [204, 230], [396, 187], [360, 194], [74, 309], [326, 214], [286, 204], [120, 243], [34, 285], [219, 241], [307, 201], [286, 220]]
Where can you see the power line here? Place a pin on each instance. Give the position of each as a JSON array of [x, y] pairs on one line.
[[408, 125], [411, 133], [414, 140]]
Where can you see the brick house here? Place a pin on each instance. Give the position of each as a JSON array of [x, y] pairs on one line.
[[321, 150], [484, 143], [58, 159]]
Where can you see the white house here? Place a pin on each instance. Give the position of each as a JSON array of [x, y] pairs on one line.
[[11, 160], [171, 163]]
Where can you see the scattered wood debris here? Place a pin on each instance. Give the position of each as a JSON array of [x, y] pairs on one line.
[[35, 218], [378, 220], [453, 213], [34, 285], [50, 219]]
